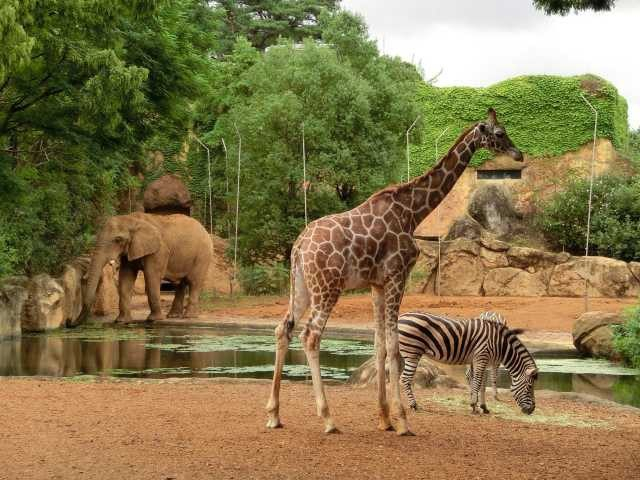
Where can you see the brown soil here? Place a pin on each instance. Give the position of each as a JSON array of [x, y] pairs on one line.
[[208, 429], [535, 313]]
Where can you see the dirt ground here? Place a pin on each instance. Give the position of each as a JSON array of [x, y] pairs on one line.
[[216, 429], [535, 313]]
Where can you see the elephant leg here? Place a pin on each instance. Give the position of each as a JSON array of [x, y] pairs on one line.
[[177, 307], [153, 274], [193, 307], [196, 281], [126, 279]]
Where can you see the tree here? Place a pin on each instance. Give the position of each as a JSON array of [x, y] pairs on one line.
[[354, 120], [263, 22], [563, 7], [86, 88], [615, 217]]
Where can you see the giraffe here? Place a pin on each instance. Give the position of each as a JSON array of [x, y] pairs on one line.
[[370, 246]]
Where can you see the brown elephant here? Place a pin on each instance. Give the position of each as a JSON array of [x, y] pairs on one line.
[[171, 247]]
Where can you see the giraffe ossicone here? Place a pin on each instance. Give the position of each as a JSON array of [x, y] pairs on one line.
[[370, 246]]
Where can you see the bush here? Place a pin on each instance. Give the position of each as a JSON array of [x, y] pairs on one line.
[[626, 337], [615, 217], [264, 279]]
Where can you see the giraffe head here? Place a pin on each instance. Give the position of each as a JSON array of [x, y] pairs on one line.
[[493, 137]]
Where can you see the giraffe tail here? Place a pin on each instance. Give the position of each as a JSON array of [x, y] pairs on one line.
[[295, 277]]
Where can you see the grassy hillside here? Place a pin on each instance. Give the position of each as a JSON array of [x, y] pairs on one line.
[[544, 115]]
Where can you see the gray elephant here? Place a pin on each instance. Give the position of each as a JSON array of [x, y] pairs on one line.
[[171, 247]]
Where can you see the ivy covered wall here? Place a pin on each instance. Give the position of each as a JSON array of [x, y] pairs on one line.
[[544, 115]]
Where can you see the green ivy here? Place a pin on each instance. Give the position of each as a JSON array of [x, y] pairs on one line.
[[544, 115]]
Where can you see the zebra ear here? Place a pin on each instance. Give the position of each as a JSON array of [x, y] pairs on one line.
[[531, 372]]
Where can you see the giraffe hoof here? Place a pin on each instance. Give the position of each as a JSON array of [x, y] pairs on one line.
[[274, 423], [484, 409], [332, 429], [406, 433]]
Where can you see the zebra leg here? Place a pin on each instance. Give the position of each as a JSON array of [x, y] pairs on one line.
[[477, 383], [468, 374], [483, 391], [384, 422], [494, 381], [410, 365]]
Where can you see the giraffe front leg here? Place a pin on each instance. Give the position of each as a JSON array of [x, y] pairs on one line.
[[384, 422], [393, 296]]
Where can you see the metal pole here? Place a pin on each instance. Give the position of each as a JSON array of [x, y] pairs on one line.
[[209, 175], [593, 163], [235, 246], [438, 139], [439, 212], [408, 153], [226, 181], [304, 177]]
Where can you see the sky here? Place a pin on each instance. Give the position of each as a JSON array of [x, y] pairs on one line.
[[481, 42]]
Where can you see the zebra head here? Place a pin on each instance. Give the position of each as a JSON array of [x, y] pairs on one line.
[[522, 389]]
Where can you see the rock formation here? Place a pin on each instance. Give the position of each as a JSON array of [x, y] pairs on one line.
[[490, 267], [592, 334], [167, 194]]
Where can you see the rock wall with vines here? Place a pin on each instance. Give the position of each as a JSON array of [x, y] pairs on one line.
[[544, 115]]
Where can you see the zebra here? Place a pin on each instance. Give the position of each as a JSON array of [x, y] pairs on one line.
[[492, 369], [475, 341]]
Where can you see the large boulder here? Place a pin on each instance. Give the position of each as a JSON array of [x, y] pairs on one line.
[[606, 277], [13, 298], [492, 207], [461, 269], [168, 194], [45, 306], [107, 298], [465, 227], [426, 374], [534, 259], [592, 334], [514, 282], [71, 281]]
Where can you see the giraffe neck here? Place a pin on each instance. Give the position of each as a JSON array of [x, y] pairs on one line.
[[429, 189]]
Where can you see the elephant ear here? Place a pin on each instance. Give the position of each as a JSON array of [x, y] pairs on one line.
[[145, 240]]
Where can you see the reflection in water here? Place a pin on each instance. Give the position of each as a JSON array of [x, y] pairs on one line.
[[167, 352], [205, 352]]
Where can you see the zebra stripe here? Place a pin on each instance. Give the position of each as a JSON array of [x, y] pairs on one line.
[[492, 369], [476, 341]]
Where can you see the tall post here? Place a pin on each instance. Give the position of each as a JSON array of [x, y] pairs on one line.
[[408, 152], [593, 163], [304, 177], [439, 235], [235, 243]]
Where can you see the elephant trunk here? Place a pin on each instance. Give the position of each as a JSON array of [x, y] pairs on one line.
[[98, 261]]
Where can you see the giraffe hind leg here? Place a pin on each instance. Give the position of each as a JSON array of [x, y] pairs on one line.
[[310, 338], [299, 303]]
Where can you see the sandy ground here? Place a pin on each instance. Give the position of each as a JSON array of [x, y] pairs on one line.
[[212, 429]]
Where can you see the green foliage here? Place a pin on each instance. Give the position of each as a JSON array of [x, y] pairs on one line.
[[544, 115], [626, 337], [615, 217], [264, 279], [563, 7], [86, 88], [354, 106], [264, 22]]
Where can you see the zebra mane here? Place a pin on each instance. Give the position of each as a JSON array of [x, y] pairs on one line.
[[511, 341]]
